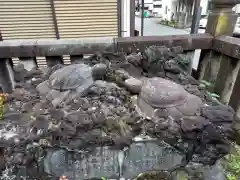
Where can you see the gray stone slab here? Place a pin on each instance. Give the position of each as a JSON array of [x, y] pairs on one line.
[[104, 161], [101, 162], [149, 156]]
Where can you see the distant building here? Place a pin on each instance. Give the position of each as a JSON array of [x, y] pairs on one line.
[[166, 8], [157, 6], [178, 10], [237, 8]]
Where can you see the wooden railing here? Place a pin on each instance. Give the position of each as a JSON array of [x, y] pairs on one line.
[[219, 62], [53, 50], [221, 66]]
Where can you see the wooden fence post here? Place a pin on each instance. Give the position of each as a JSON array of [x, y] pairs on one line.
[[221, 21], [6, 76]]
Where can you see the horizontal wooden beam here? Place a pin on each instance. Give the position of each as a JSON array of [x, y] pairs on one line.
[[227, 45], [32, 48], [187, 42]]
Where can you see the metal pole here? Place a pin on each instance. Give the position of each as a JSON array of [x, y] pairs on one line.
[[194, 29], [54, 19], [142, 18], [119, 8], [196, 17]]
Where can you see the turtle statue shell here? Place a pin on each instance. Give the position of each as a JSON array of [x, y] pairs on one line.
[[162, 93], [71, 77]]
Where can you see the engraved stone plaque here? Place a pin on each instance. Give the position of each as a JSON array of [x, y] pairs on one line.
[[149, 156], [103, 161]]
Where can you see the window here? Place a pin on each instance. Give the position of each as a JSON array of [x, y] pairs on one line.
[[166, 8], [157, 6]]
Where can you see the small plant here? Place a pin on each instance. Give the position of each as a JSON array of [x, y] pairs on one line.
[[2, 102], [164, 22], [172, 23], [207, 86], [168, 23], [204, 84], [231, 164], [214, 96]]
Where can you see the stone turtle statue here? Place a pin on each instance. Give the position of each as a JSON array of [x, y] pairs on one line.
[[161, 97], [71, 81]]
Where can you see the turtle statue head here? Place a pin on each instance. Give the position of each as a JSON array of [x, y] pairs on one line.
[[99, 71]]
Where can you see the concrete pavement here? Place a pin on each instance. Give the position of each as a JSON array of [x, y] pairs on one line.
[[152, 28]]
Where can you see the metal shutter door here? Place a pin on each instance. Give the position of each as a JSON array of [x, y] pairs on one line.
[[26, 19], [86, 18]]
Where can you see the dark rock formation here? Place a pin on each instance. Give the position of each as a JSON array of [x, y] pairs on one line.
[[52, 129]]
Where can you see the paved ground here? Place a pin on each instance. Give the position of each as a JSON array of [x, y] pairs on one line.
[[152, 28]]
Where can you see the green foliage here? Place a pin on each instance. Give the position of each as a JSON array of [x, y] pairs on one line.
[[1, 107], [202, 86], [206, 86], [214, 95], [231, 164], [168, 23], [182, 176], [230, 176], [172, 23]]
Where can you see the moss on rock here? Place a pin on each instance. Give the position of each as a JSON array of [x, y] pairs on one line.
[[231, 163]]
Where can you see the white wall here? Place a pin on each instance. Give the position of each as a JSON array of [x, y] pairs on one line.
[[171, 4], [237, 8], [157, 10], [125, 5], [204, 5], [167, 9], [148, 3]]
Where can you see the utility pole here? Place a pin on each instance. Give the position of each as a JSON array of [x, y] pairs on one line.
[[196, 17], [142, 18], [197, 11]]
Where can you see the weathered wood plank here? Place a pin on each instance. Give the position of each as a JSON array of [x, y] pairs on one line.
[[187, 42], [229, 68], [6, 76], [235, 99], [227, 45], [209, 66], [32, 48]]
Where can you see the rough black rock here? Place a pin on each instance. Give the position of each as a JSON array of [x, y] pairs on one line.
[[104, 132]]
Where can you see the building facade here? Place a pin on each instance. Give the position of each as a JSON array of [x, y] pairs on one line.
[[170, 9], [237, 8], [66, 19]]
